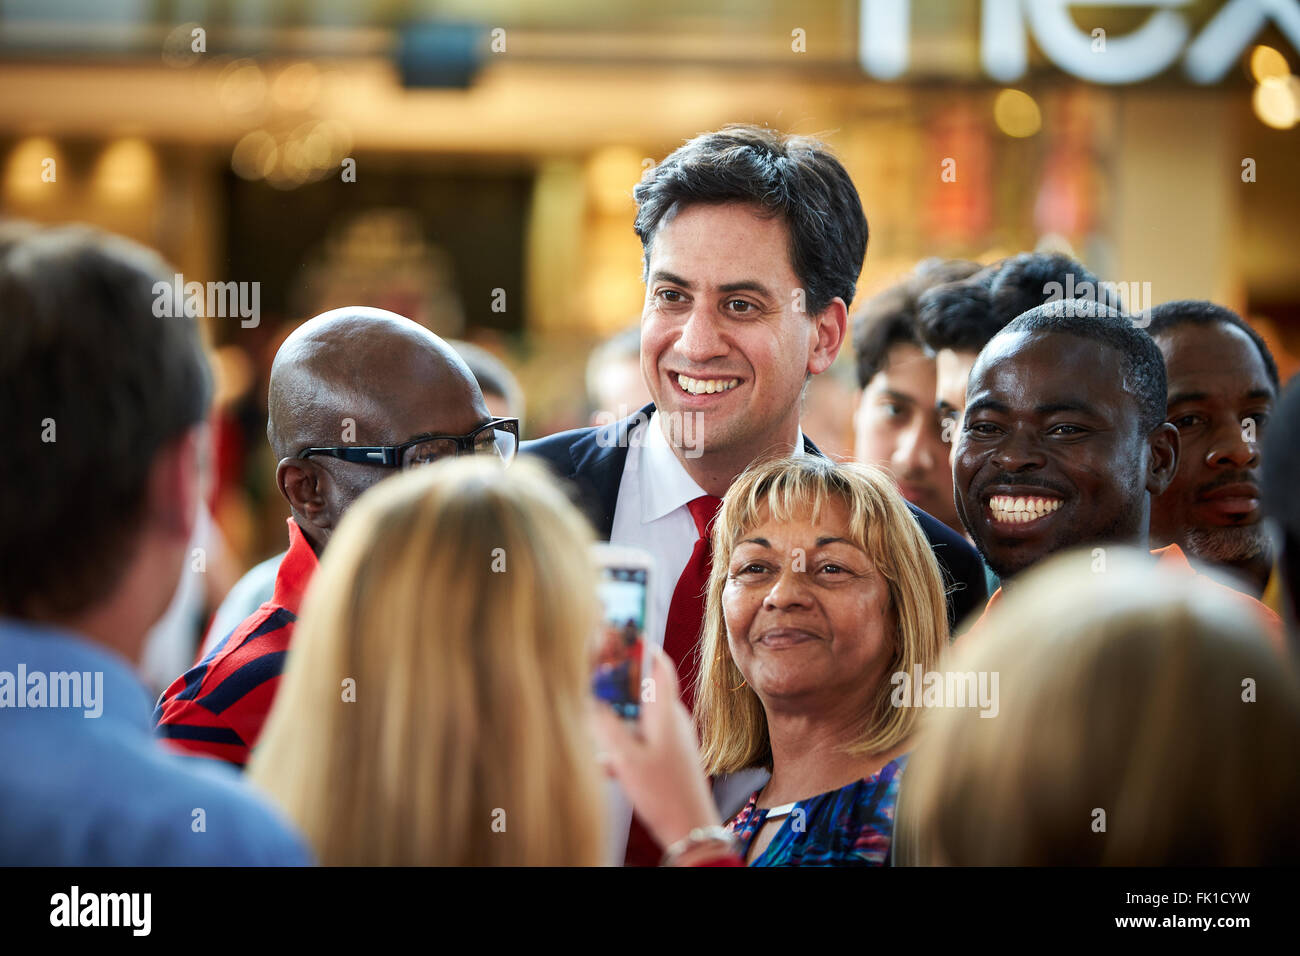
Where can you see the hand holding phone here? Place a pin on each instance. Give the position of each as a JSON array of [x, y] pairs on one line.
[[657, 762]]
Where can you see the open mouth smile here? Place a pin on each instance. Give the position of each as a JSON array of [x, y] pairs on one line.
[[1008, 511], [705, 386]]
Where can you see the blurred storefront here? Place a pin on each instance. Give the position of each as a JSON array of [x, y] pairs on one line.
[[471, 163]]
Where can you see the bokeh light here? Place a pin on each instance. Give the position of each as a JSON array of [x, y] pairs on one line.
[[127, 171], [1275, 102], [1017, 114], [1267, 63], [25, 179]]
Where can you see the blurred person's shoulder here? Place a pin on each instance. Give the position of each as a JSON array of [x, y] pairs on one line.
[[188, 810], [240, 827], [87, 784]]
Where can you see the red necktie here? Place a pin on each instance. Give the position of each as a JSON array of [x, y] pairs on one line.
[[681, 642], [686, 612]]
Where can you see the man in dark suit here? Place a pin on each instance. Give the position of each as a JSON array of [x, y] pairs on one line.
[[753, 244], [592, 459]]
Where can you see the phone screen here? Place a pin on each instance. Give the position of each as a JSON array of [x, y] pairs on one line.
[[621, 653]]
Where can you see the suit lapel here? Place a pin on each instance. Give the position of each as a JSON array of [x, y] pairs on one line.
[[597, 468], [598, 460]]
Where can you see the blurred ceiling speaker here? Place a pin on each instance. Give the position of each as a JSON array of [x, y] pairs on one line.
[[440, 55]]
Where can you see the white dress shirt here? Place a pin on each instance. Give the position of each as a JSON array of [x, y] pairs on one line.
[[651, 514]]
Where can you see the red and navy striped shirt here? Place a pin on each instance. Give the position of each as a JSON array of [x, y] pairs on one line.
[[217, 707]]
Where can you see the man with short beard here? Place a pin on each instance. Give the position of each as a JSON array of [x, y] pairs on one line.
[[1223, 384]]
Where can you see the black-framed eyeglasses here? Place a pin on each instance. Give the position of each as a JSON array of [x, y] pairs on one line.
[[499, 437]]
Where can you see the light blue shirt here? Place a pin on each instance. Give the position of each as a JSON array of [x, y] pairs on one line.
[[78, 789]]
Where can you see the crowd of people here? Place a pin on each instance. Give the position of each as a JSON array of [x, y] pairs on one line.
[[1039, 620]]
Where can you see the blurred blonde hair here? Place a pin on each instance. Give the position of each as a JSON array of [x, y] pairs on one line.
[[460, 598], [733, 724], [1121, 690]]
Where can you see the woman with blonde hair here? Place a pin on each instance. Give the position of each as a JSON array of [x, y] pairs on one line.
[[823, 587], [435, 705], [1142, 721]]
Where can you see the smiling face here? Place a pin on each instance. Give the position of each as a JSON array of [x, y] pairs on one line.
[[1217, 383], [1051, 454], [897, 428], [722, 337], [808, 617]]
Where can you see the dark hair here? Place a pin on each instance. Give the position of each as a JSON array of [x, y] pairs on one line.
[[958, 315], [890, 317], [1199, 312], [1025, 281], [794, 177], [966, 315], [1143, 369], [94, 384]]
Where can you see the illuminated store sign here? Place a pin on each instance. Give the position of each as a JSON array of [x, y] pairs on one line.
[[1006, 25]]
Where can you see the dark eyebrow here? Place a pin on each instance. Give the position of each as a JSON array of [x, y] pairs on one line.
[[748, 285], [761, 542], [822, 542], [1254, 395], [1051, 408], [983, 404], [899, 396], [661, 276]]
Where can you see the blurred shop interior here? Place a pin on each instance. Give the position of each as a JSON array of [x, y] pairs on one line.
[[469, 163]]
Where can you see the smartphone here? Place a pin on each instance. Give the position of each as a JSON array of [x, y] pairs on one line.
[[621, 653]]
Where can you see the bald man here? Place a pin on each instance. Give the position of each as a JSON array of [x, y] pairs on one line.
[[356, 394]]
